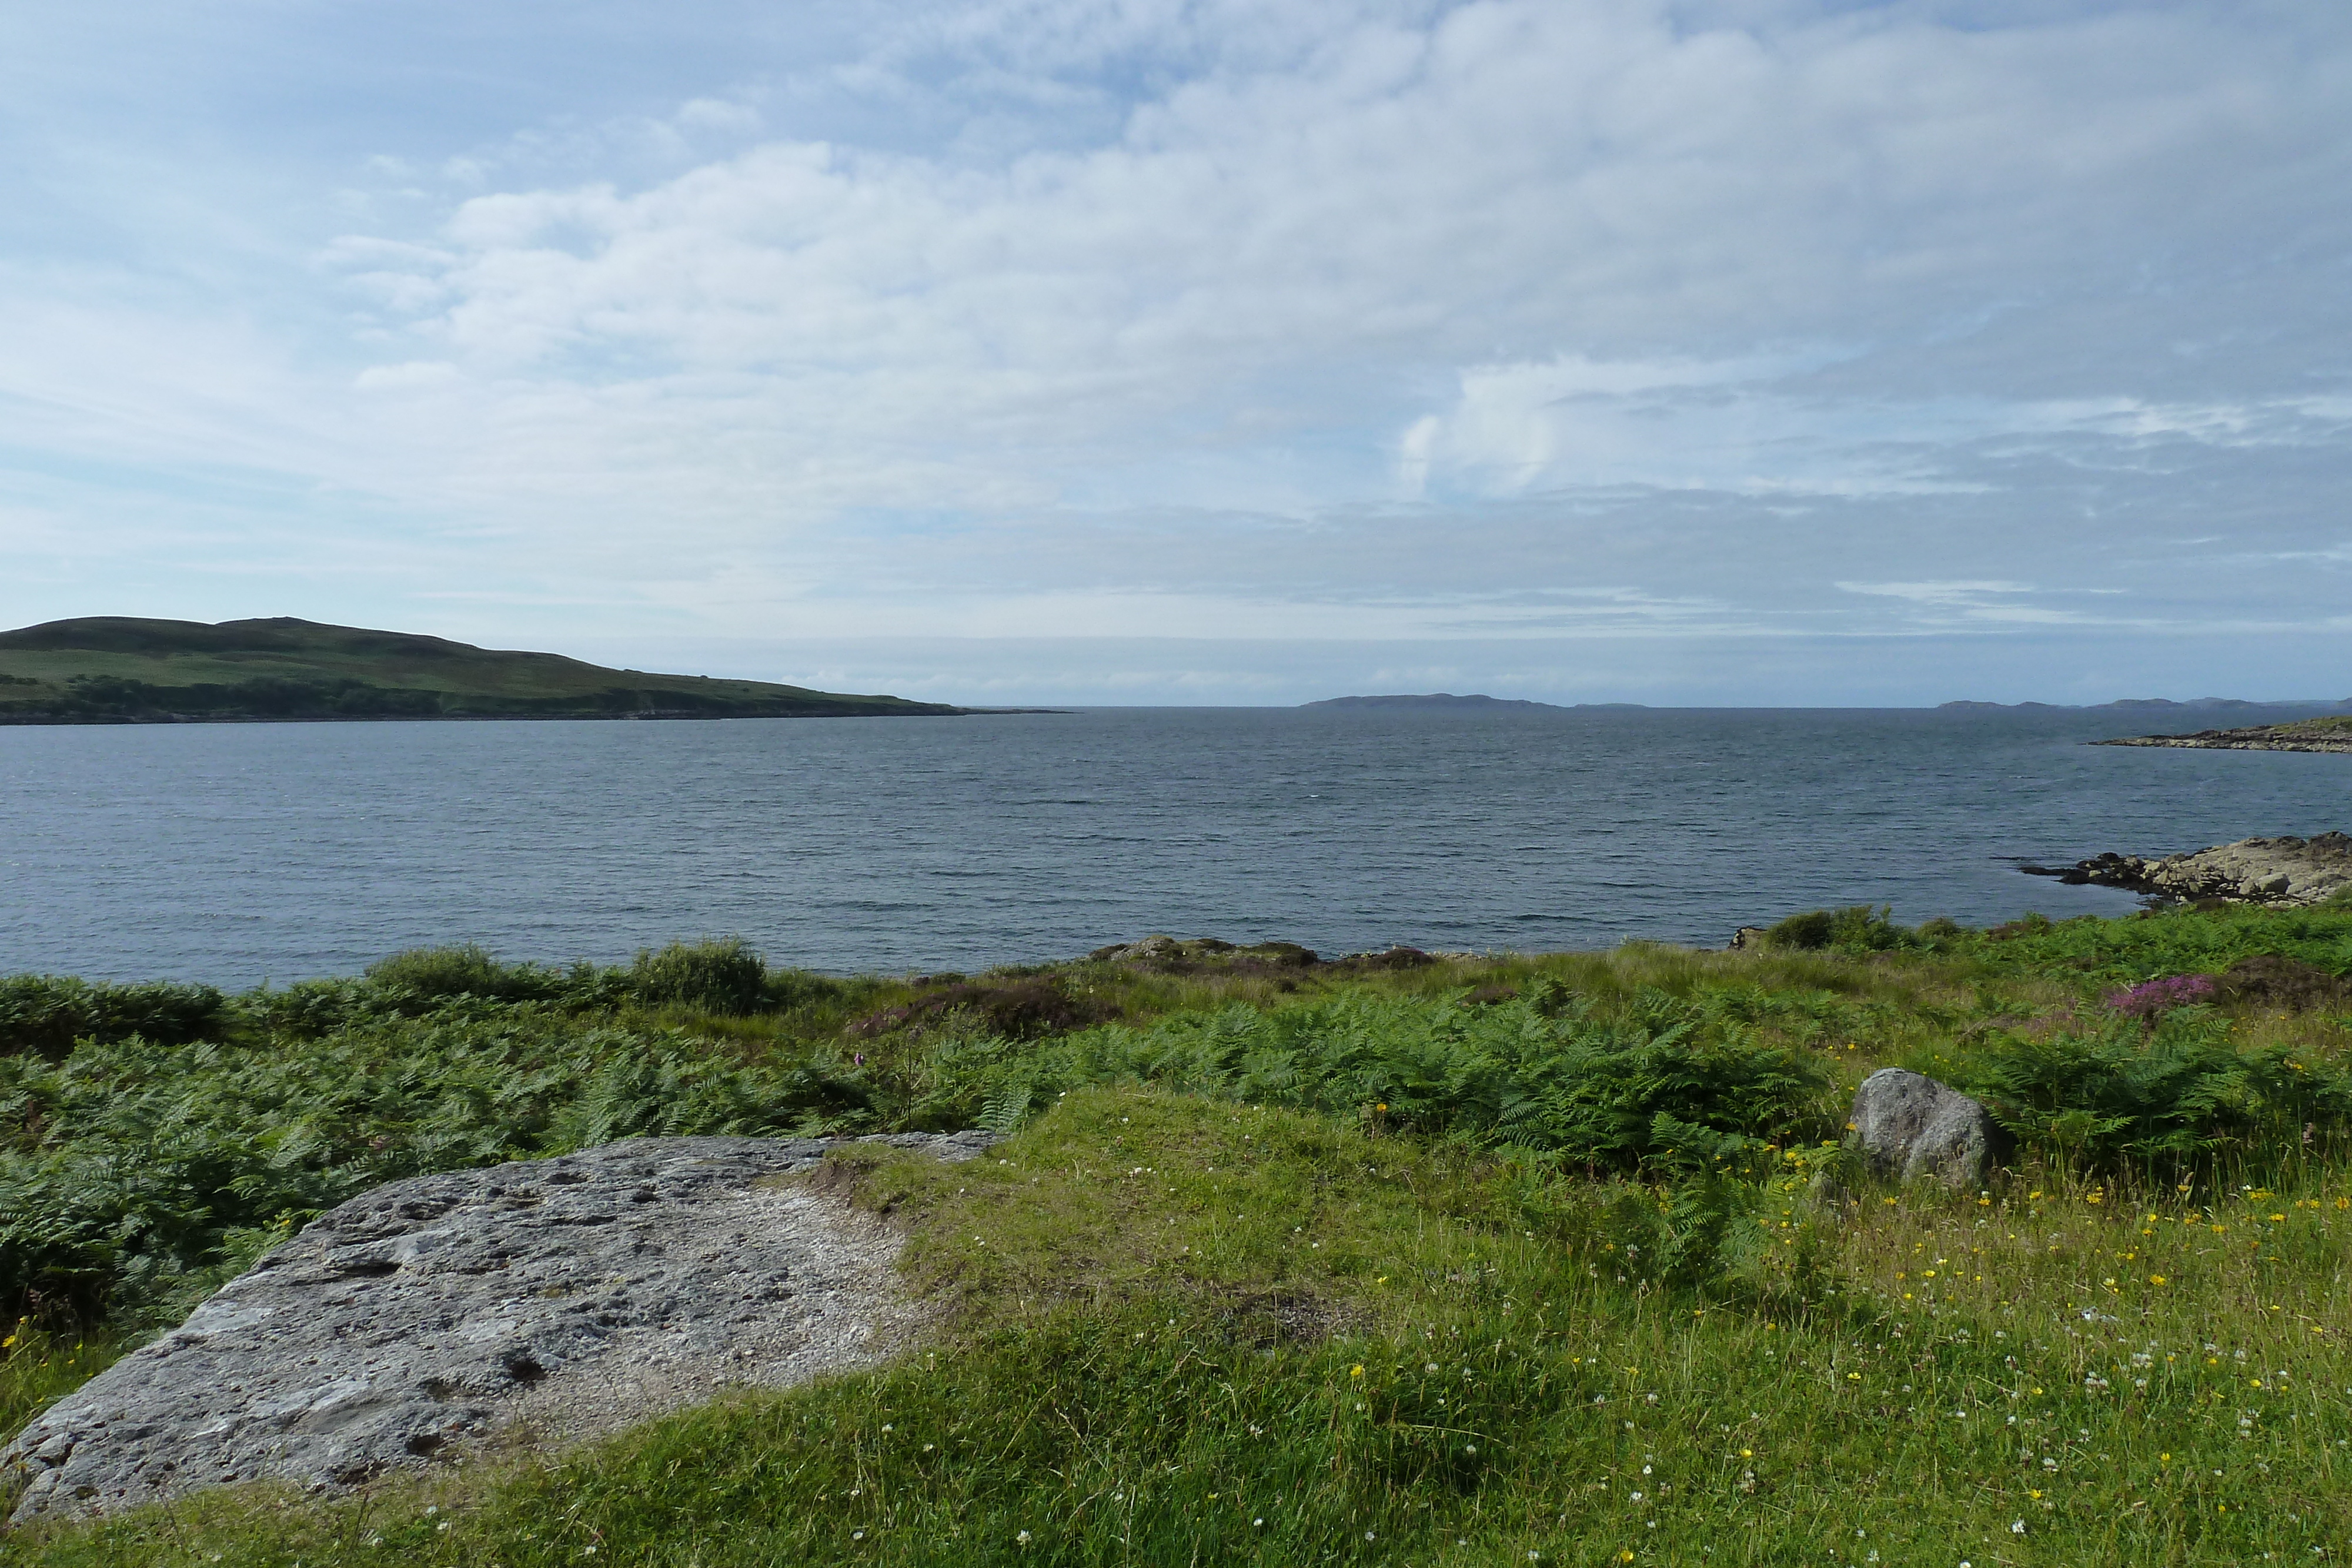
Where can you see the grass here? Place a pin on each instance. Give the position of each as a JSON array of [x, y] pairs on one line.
[[2182, 942], [1190, 1319], [40, 1365]]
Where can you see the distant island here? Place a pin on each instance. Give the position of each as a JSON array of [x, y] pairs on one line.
[[1448, 700], [2147, 705], [113, 669], [2329, 730], [2331, 734]]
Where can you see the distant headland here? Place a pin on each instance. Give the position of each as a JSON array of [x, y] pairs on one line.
[[1449, 701], [2153, 705], [2330, 734], [2329, 729], [115, 669]]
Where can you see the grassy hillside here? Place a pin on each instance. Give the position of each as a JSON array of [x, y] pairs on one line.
[[115, 669], [1511, 1259]]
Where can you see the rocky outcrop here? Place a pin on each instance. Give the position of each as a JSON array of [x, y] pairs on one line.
[[2333, 734], [1204, 952], [1909, 1127], [572, 1295], [1207, 954], [2284, 871]]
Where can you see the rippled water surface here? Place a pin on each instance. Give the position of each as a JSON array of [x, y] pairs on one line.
[[234, 852]]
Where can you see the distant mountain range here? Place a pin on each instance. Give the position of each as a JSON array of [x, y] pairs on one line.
[[113, 669], [2141, 706], [1448, 700]]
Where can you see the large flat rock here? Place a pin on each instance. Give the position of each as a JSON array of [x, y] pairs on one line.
[[572, 1295]]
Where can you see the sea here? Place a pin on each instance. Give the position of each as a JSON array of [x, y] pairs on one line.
[[242, 853]]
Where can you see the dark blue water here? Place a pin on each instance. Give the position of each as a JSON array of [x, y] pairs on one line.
[[234, 852]]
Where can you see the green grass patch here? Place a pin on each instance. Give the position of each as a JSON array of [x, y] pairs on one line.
[[1456, 1263], [1456, 1374], [2163, 943]]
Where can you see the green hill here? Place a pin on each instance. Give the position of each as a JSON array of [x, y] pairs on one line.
[[113, 669]]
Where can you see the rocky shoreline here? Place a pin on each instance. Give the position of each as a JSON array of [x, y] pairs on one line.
[[2303, 735], [2286, 872]]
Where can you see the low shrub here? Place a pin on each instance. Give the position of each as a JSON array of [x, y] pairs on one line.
[[1728, 1234], [1542, 1071], [785, 989], [1020, 1010], [2271, 980], [130, 1172], [465, 970], [2166, 1103], [44, 1015], [2175, 941], [309, 1009], [1855, 929], [717, 976], [2152, 999]]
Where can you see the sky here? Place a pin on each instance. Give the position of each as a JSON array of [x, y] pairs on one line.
[[1731, 351]]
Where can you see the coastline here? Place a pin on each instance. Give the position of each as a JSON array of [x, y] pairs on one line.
[[2231, 740], [2330, 734], [2289, 872]]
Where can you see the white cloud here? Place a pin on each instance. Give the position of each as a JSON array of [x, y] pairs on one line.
[[719, 115], [1937, 592], [1728, 426], [412, 375], [1507, 317], [1319, 236], [1944, 605]]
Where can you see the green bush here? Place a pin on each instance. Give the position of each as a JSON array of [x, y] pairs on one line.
[[784, 989], [717, 976], [44, 1015], [311, 1008], [2163, 1103], [1543, 1072], [434, 973], [130, 1171], [1857, 929], [2177, 941], [1721, 1233]]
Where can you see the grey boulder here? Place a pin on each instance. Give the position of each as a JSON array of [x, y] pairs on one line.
[[1909, 1127], [567, 1296]]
